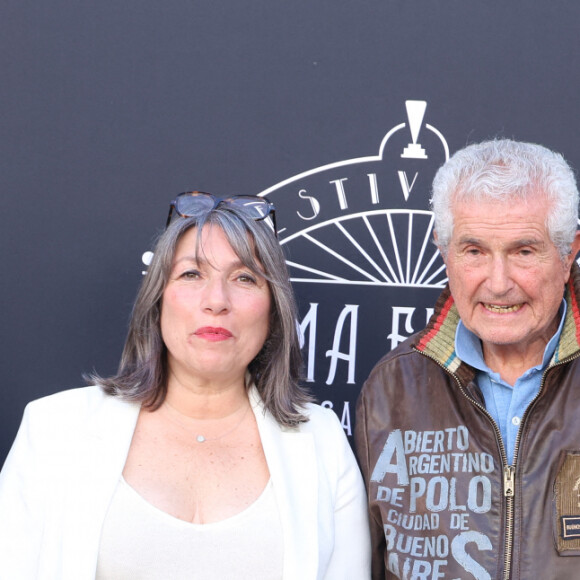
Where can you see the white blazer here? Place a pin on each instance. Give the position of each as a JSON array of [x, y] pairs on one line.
[[59, 477]]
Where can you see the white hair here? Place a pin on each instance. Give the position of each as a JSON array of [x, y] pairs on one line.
[[507, 170]]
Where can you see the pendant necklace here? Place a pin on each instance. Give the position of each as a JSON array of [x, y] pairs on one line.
[[202, 438]]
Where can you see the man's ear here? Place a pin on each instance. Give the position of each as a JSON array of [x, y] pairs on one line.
[[575, 247]]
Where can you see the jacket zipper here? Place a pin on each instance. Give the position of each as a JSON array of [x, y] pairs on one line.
[[509, 492], [509, 471], [509, 484]]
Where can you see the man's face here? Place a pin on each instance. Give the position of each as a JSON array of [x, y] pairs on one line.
[[505, 274]]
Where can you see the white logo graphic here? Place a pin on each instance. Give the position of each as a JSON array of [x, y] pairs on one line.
[[345, 230], [415, 114]]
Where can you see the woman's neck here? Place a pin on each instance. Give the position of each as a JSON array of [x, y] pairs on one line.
[[205, 399]]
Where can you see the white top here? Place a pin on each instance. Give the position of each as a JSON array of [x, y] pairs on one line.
[[60, 476], [142, 542]]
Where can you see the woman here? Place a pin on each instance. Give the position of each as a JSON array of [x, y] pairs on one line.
[[202, 457]]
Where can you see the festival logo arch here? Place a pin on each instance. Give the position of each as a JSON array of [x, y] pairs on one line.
[[358, 238]]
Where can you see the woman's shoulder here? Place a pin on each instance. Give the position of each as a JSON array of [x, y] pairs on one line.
[[318, 412], [321, 419], [74, 406], [329, 437], [61, 422], [79, 397], [321, 422]]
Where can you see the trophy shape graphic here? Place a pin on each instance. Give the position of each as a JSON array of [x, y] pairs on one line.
[[415, 114]]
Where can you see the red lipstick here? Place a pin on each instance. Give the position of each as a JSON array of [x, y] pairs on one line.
[[213, 333]]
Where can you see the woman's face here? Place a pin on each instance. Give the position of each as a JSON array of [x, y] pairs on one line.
[[215, 312]]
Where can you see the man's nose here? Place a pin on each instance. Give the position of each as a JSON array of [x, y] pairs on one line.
[[499, 275]]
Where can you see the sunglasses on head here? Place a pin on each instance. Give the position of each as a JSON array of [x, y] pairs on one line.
[[192, 203]]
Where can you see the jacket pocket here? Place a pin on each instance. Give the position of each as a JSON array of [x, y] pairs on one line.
[[566, 503]]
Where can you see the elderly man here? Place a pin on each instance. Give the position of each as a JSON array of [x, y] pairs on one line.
[[468, 434]]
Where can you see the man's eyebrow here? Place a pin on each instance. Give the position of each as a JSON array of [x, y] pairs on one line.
[[467, 240], [528, 242], [514, 243]]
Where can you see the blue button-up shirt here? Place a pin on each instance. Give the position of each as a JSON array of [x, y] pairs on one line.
[[506, 404]]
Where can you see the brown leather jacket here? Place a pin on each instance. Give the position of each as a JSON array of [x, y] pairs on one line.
[[444, 503]]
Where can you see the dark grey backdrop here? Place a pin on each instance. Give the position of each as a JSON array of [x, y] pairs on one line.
[[108, 109]]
